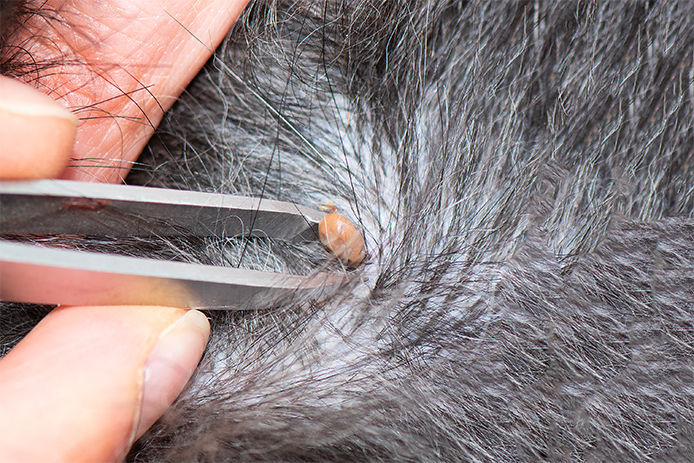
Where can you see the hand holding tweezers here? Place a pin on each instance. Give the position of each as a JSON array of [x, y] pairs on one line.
[[39, 274]]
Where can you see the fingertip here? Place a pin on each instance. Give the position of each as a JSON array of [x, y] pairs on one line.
[[37, 133], [87, 380], [169, 366]]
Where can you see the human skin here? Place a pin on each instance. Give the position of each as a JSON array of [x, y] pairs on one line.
[[87, 381], [124, 64]]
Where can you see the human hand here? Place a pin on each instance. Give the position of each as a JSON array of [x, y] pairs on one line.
[[87, 381], [119, 65]]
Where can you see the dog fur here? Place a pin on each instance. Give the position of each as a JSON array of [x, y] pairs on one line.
[[522, 173]]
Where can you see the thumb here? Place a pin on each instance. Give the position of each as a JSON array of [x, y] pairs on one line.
[[87, 381], [36, 133]]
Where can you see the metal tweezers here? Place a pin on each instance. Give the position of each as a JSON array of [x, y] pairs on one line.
[[48, 275]]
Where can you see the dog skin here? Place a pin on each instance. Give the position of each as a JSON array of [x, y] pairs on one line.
[[522, 175]]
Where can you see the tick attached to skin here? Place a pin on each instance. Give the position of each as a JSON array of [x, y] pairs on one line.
[[328, 206], [342, 238]]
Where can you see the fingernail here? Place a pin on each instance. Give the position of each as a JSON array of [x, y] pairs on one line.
[[38, 133], [169, 366]]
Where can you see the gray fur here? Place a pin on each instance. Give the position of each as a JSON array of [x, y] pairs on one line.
[[523, 175]]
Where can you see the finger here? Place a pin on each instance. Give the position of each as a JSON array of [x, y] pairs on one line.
[[36, 133], [131, 60], [88, 380]]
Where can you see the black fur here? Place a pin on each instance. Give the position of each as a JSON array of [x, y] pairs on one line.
[[523, 175]]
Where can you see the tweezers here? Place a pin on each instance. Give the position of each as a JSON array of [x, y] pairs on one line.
[[48, 275]]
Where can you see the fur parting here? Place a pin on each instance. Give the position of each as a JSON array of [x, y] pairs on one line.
[[522, 172]]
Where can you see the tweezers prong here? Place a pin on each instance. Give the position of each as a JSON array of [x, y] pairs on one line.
[[98, 209], [45, 275]]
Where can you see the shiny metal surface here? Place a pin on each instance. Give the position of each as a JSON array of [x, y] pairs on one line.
[[35, 274], [44, 275], [98, 209]]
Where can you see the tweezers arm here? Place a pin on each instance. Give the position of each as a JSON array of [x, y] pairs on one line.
[[42, 275], [97, 209]]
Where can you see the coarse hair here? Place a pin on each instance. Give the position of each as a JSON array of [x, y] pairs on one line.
[[522, 173]]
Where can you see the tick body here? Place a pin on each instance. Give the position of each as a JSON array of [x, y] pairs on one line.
[[342, 238]]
